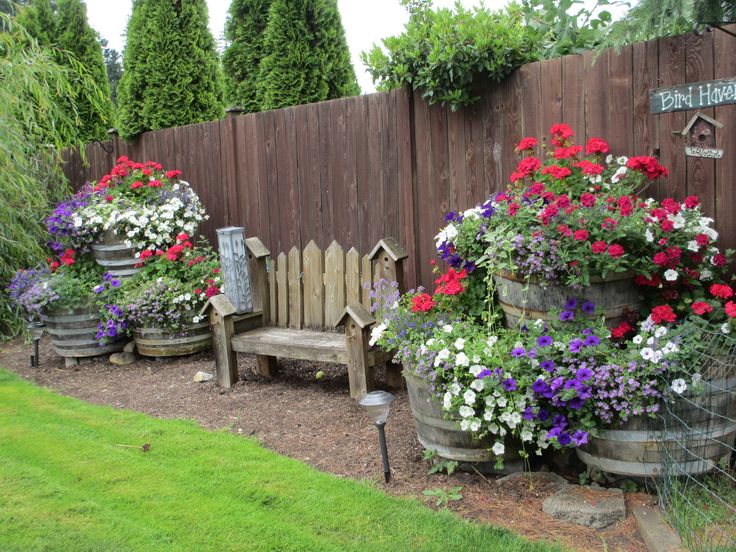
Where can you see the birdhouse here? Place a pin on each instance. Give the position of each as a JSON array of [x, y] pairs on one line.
[[700, 136], [389, 256]]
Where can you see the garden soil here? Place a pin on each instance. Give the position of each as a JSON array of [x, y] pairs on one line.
[[316, 421]]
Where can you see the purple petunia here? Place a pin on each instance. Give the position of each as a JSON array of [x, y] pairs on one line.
[[571, 303], [509, 384], [564, 438], [540, 386], [567, 316], [484, 373], [592, 341], [548, 365], [544, 341], [518, 352], [580, 437], [588, 307], [542, 415], [576, 345], [584, 374]]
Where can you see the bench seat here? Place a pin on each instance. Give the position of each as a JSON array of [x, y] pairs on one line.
[[313, 345]]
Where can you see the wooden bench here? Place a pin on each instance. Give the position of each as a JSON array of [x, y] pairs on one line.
[[299, 302]]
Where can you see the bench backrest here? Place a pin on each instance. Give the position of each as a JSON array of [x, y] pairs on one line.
[[311, 288]]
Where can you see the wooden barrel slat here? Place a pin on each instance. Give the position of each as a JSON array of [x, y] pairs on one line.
[[640, 447], [445, 436], [157, 342], [614, 297], [115, 256], [73, 333]]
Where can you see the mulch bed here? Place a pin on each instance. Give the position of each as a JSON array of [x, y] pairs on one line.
[[318, 423]]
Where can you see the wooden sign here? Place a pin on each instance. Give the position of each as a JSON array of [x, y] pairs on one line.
[[696, 95], [708, 153]]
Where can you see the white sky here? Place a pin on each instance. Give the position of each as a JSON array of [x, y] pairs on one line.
[[366, 22]]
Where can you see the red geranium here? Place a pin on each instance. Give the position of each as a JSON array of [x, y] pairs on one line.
[[422, 303], [596, 145], [580, 235], [561, 133], [691, 202], [136, 184], [450, 282], [621, 330], [556, 171], [722, 291], [701, 307], [663, 313], [647, 165], [730, 309]]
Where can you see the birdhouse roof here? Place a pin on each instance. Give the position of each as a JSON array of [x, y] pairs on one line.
[[697, 116], [392, 247]]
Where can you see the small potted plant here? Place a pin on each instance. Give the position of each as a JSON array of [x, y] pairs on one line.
[[161, 304]]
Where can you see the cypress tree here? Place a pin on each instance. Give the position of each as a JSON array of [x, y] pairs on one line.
[[63, 25], [244, 29], [307, 57], [171, 74]]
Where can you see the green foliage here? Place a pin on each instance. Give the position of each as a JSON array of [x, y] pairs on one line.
[[241, 59], [95, 485], [114, 69], [172, 75], [444, 497], [448, 53], [65, 28], [439, 466], [558, 29], [307, 56], [34, 129]]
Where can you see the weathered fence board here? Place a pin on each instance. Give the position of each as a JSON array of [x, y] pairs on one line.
[[357, 169]]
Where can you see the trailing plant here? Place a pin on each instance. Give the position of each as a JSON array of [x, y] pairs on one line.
[[446, 53], [443, 496]]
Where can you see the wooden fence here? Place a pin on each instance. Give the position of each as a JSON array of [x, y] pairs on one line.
[[357, 169]]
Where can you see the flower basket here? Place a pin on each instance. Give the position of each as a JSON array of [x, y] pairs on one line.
[[640, 446], [73, 333], [115, 256], [444, 436], [157, 342], [615, 296]]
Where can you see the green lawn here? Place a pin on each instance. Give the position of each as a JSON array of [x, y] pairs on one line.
[[66, 483]]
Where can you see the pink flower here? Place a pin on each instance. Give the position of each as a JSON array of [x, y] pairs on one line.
[[580, 235], [615, 250], [599, 247]]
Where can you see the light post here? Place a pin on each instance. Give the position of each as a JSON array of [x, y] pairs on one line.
[[36, 330], [378, 404]]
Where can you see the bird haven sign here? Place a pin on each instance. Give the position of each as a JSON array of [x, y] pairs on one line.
[[696, 95]]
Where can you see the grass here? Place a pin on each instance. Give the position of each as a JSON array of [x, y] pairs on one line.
[[76, 477]]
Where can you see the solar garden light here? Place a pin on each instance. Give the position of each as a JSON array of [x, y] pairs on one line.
[[378, 404], [36, 330]]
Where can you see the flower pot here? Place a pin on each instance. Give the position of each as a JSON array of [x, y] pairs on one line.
[[444, 436], [613, 296], [73, 333], [645, 447], [157, 342], [115, 256]]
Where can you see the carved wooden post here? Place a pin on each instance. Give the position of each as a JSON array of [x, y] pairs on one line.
[[258, 256], [221, 312], [389, 256], [234, 264], [357, 321]]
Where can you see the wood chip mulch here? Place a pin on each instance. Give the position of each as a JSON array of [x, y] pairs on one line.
[[318, 423]]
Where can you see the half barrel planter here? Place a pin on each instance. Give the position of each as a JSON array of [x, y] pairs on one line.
[[159, 342], [115, 256], [646, 447], [73, 333], [614, 296], [444, 436]]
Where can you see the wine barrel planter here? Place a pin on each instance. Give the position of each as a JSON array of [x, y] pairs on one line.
[[614, 297], [115, 256], [157, 342], [444, 436], [73, 333], [644, 447]]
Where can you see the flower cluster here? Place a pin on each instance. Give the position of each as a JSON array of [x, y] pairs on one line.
[[140, 202]]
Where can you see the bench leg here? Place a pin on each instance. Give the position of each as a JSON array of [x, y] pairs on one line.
[[394, 378], [226, 362], [267, 365], [360, 374]]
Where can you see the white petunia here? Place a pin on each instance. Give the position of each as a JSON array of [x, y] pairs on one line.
[[376, 333], [447, 328], [466, 411], [462, 360], [649, 236], [442, 356], [660, 331], [679, 385], [475, 425], [637, 339], [454, 388], [476, 369], [469, 397], [650, 341], [498, 449], [725, 328], [670, 275], [478, 384], [501, 402], [447, 400], [647, 353], [476, 359], [488, 415], [706, 274], [526, 435], [491, 341], [692, 245], [464, 425], [459, 343]]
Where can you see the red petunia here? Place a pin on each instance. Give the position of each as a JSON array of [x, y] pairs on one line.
[[599, 247], [702, 239], [718, 259], [722, 291], [660, 259], [596, 145], [615, 250], [673, 252], [666, 226], [701, 307], [422, 303], [663, 313], [691, 202]]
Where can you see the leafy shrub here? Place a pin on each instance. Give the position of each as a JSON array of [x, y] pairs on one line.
[[446, 53]]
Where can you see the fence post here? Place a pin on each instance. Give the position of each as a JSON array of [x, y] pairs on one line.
[[115, 138], [231, 189]]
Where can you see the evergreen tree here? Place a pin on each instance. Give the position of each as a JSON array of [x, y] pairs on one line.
[[63, 26], [171, 72], [244, 29], [307, 57], [114, 68]]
